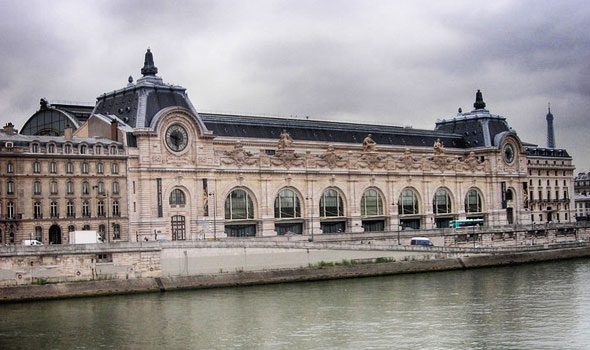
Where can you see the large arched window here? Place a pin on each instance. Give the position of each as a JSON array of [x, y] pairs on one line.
[[177, 197], [287, 205], [473, 202], [408, 202], [442, 202], [331, 203], [239, 206], [371, 203]]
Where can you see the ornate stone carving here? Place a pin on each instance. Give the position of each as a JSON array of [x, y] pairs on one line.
[[438, 147], [471, 162], [407, 161], [371, 160], [285, 141], [238, 156], [331, 159], [368, 144], [287, 158]]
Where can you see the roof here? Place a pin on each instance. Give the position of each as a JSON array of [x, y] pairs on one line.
[[546, 152], [241, 126]]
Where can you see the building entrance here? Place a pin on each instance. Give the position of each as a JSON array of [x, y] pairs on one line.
[[54, 234]]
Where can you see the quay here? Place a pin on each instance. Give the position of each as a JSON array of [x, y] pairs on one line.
[[62, 271]]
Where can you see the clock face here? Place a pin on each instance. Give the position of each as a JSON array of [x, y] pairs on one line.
[[176, 137], [508, 153]]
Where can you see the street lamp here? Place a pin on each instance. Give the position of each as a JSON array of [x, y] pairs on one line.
[[212, 194]]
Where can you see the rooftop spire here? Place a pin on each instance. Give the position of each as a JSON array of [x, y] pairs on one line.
[[550, 131], [148, 64], [479, 104]]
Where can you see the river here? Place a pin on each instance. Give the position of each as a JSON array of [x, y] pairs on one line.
[[535, 306]]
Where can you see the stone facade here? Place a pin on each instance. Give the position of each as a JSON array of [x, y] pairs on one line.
[[187, 175], [52, 185]]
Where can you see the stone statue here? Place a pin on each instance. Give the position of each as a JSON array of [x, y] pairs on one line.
[[369, 144], [285, 140], [438, 146]]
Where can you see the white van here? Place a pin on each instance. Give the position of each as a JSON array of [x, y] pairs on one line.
[[421, 241], [32, 242]]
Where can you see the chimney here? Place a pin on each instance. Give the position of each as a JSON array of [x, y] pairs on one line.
[[68, 133], [114, 130], [9, 129]]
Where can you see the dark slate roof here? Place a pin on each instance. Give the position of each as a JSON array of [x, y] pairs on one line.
[[478, 127], [546, 152], [240, 126]]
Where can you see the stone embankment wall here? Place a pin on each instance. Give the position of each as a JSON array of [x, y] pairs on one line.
[[49, 271]]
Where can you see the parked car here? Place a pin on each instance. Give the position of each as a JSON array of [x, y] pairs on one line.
[[32, 242], [421, 241]]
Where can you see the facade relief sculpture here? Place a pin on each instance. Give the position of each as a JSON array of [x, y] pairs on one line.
[[407, 161], [471, 162], [331, 159], [238, 156]]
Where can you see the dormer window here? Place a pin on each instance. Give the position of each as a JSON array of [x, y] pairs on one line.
[[83, 149], [35, 148], [68, 149], [51, 148]]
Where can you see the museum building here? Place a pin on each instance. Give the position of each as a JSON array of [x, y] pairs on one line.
[[177, 174]]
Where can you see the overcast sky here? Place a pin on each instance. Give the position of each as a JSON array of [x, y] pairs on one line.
[[392, 62]]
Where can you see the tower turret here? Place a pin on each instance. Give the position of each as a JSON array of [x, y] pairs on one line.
[[550, 132]]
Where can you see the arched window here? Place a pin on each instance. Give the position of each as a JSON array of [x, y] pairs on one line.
[[36, 167], [70, 209], [71, 228], [116, 231], [408, 202], [371, 203], [239, 206], [177, 197], [116, 211], [442, 202], [10, 210], [85, 187], [100, 187], [115, 188], [100, 208], [37, 214], [473, 201], [37, 187], [53, 187], [99, 168], [10, 187], [287, 205], [54, 209], [39, 233], [331, 203], [83, 149], [85, 209]]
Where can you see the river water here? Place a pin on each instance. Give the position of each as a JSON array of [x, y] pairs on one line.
[[536, 306]]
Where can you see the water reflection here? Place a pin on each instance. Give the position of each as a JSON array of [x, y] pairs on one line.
[[541, 306]]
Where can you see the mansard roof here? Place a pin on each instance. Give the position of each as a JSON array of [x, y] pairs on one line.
[[241, 126]]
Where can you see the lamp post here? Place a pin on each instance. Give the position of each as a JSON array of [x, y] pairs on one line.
[[212, 194]]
